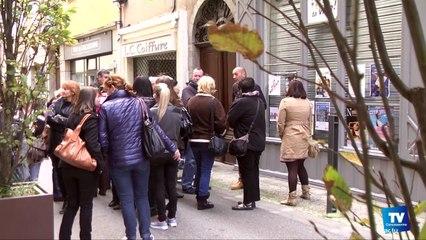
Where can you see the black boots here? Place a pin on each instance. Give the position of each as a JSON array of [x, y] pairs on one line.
[[202, 203]]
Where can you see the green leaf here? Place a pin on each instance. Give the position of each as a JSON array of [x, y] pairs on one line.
[[422, 234], [351, 157], [420, 208], [28, 132], [232, 37], [336, 185]]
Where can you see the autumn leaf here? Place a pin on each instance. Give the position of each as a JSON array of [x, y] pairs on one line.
[[231, 37], [355, 236], [351, 157], [336, 185], [364, 222]]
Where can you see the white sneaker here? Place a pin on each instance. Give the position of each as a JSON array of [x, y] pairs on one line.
[[172, 222], [159, 225]]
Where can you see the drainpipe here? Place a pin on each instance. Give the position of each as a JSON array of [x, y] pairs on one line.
[[120, 9], [173, 6]]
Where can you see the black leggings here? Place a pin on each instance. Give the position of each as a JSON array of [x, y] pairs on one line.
[[296, 168]]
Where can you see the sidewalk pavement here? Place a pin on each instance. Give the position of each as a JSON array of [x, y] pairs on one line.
[[273, 190]]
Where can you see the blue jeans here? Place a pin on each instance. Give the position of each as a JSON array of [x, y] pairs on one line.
[[188, 168], [204, 160], [132, 189], [34, 170]]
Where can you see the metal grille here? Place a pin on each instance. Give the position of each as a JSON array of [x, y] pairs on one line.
[[154, 65]]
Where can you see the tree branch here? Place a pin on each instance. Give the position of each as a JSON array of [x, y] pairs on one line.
[[417, 35]]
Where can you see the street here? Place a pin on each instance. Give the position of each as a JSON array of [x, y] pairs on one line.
[[269, 220]]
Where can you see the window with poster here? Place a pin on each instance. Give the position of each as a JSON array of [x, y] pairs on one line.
[[277, 89], [370, 90], [321, 105]]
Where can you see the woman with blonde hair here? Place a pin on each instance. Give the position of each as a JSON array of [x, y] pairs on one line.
[[164, 168], [57, 118], [200, 107], [294, 128], [120, 136]]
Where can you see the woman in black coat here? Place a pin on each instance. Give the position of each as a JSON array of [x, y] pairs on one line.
[[57, 118], [245, 110], [79, 183]]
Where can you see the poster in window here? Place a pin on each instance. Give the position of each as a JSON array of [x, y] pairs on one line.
[[316, 15], [322, 110], [274, 85], [273, 114], [375, 83], [354, 127], [320, 92], [380, 121], [361, 70]]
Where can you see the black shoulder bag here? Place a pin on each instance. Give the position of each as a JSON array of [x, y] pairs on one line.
[[153, 145], [218, 145], [186, 124], [238, 146]]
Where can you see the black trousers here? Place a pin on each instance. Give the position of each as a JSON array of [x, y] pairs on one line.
[[164, 176], [104, 179], [79, 185], [249, 168], [59, 190]]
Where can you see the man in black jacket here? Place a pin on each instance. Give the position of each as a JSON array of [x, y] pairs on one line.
[[189, 167]]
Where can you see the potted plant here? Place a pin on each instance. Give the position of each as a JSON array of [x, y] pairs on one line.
[[30, 35], [26, 204]]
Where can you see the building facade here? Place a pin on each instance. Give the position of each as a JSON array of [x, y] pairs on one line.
[[284, 45], [94, 25], [142, 37]]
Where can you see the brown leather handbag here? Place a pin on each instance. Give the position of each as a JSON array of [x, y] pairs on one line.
[[73, 150]]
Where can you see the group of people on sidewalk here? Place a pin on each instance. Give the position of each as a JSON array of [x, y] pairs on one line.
[[113, 137]]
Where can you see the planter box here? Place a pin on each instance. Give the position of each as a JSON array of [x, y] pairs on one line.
[[27, 217]]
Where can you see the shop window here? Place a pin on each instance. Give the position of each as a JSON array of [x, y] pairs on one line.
[[156, 64], [77, 71]]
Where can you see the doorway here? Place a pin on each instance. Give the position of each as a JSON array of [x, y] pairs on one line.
[[219, 66]]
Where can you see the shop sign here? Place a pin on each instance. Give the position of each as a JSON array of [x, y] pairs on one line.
[[315, 13], [97, 44], [150, 46]]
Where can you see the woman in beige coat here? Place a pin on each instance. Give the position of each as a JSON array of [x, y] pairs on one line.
[[294, 118]]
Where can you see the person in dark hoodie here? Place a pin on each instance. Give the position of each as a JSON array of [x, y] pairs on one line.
[[248, 109]]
